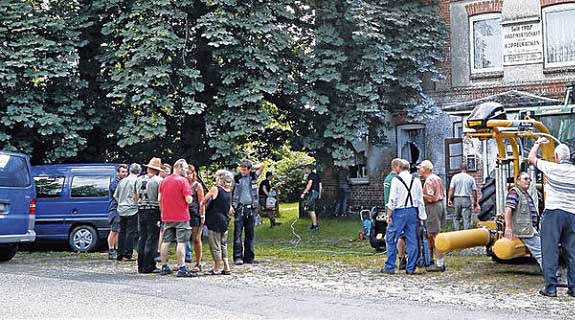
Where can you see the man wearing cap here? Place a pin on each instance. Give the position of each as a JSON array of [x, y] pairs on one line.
[[148, 215], [125, 194], [244, 204], [433, 195], [463, 197], [558, 221]]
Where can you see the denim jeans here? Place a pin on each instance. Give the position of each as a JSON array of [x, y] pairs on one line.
[[403, 220], [127, 236], [244, 221], [557, 226], [343, 196], [188, 250], [149, 231]]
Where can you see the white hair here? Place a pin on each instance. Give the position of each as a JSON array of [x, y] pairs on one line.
[[562, 152], [135, 168]]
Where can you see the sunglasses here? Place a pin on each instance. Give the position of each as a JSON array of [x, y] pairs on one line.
[[526, 178]]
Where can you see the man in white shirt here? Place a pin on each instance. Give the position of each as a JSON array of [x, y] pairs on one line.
[[558, 222], [405, 211]]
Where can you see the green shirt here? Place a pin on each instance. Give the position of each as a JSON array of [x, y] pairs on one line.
[[387, 186]]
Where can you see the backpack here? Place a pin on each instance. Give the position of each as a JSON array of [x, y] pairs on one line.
[[271, 200]]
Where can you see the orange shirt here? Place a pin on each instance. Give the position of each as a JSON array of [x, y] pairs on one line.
[[433, 190]]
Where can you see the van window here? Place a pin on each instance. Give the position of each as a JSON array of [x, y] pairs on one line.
[[14, 172], [90, 186], [49, 187]]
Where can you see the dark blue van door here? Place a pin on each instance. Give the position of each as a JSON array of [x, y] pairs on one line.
[[51, 211], [16, 195]]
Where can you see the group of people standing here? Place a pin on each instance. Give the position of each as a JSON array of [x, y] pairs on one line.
[[410, 204], [161, 207]]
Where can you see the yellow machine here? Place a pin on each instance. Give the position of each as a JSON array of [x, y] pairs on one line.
[[489, 121]]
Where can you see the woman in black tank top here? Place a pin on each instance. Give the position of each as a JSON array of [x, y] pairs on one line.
[[197, 217], [218, 202]]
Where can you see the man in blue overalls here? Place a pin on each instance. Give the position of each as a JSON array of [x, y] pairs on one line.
[[405, 211]]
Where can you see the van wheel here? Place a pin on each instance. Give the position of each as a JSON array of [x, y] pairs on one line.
[[83, 239], [7, 252]]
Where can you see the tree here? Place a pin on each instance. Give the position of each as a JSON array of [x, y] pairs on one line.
[[368, 62], [41, 111]]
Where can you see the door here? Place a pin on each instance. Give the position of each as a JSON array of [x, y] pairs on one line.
[[16, 193], [51, 204], [89, 198], [453, 157]]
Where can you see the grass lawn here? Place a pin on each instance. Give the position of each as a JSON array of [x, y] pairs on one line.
[[337, 240]]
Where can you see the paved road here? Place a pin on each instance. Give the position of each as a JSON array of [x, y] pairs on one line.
[[41, 290]]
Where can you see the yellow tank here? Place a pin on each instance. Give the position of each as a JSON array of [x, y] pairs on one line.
[[464, 239], [506, 249]]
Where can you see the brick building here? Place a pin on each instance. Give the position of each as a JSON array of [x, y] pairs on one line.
[[517, 52]]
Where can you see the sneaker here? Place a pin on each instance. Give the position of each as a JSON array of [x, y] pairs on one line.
[[315, 228], [112, 254], [238, 262], [402, 263], [157, 258], [546, 293], [185, 273], [165, 270], [435, 268]]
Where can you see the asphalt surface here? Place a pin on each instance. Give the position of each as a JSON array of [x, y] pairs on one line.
[[85, 289]]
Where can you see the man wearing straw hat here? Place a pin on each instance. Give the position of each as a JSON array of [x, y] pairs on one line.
[[148, 215]]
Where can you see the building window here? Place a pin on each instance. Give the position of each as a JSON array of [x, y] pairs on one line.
[[411, 143], [559, 22], [486, 43]]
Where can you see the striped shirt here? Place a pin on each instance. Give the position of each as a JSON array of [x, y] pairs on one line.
[[512, 201], [560, 187]]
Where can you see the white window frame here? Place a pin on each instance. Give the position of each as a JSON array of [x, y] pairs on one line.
[[554, 8], [472, 20]]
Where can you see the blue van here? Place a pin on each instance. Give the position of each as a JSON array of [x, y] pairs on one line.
[[17, 203], [72, 203]]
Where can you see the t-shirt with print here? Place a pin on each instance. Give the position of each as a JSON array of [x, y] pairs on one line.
[[147, 187], [174, 190], [433, 190]]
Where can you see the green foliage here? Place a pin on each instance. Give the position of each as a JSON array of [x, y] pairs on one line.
[[40, 105], [288, 175], [210, 80]]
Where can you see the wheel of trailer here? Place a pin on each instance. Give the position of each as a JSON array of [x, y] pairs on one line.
[[83, 238], [487, 201], [7, 252]]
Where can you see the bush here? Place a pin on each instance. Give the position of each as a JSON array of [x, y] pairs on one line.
[[288, 175]]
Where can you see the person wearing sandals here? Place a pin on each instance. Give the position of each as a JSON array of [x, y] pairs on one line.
[[197, 215], [218, 202]]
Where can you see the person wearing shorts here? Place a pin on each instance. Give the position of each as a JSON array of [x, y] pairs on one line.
[[433, 195], [113, 217], [198, 217], [311, 194], [174, 197]]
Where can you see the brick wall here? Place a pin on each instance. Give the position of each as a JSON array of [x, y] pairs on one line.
[[368, 195], [483, 7], [545, 3]]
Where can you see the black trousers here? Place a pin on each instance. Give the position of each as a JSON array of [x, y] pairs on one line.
[[127, 236], [149, 233], [244, 221]]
